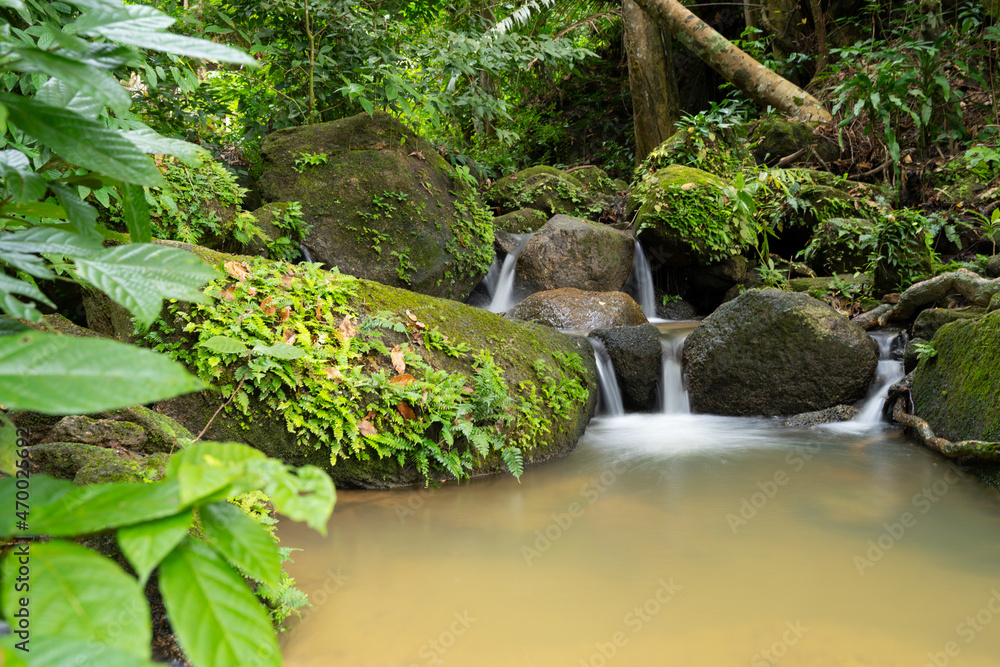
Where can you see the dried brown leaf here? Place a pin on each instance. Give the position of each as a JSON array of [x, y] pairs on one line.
[[286, 312], [411, 315], [347, 329], [288, 336], [333, 373], [227, 294], [406, 411], [403, 380], [365, 428], [237, 270], [397, 359], [267, 306]]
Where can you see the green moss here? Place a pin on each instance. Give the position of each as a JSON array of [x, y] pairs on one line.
[[715, 151], [344, 396], [545, 189], [956, 390]]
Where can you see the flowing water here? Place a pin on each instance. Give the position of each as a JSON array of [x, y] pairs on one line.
[[609, 401], [503, 291], [666, 540], [642, 281], [889, 372]]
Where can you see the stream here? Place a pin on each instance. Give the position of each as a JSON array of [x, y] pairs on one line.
[[667, 539]]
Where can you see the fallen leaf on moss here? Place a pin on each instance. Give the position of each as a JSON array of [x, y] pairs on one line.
[[406, 411], [411, 315], [267, 306], [347, 329], [403, 380], [365, 428], [286, 312], [333, 373], [237, 270]]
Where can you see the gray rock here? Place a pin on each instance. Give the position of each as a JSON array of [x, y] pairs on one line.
[[769, 352], [636, 356], [838, 413], [993, 267], [522, 221], [571, 308], [80, 428], [676, 310], [932, 319], [573, 252]]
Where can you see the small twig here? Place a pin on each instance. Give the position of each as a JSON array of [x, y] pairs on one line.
[[821, 160], [788, 159], [871, 172], [221, 408]]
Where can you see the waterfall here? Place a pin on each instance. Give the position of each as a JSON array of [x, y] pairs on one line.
[[889, 372], [492, 277], [674, 397], [642, 280], [503, 294], [306, 255], [609, 402]]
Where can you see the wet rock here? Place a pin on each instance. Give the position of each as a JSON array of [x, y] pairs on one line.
[[573, 252], [775, 138], [955, 390], [570, 308], [676, 309], [993, 267], [80, 428], [769, 352], [636, 357], [870, 319], [838, 413], [911, 354], [521, 221], [382, 205]]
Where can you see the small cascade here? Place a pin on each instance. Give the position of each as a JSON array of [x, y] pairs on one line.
[[503, 293], [492, 277], [609, 402], [889, 372], [642, 280], [674, 397], [306, 255]]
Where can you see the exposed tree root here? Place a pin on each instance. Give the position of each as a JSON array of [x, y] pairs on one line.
[[978, 449], [977, 292]]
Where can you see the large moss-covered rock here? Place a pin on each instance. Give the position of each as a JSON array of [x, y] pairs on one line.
[[720, 152], [92, 464], [570, 308], [775, 138], [681, 217], [383, 205], [993, 267], [955, 390], [546, 189], [521, 221], [383, 371], [635, 354], [573, 252], [80, 428], [770, 352], [930, 320]]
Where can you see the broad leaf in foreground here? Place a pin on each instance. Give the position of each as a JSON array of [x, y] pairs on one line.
[[148, 543], [140, 275], [242, 541], [224, 345], [217, 620], [79, 594], [63, 375], [61, 651]]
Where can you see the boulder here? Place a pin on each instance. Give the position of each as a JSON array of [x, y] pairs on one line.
[[680, 217], [545, 189], [993, 267], [80, 428], [955, 390], [386, 386], [720, 153], [676, 309], [775, 138], [382, 203], [769, 352], [838, 413], [930, 320], [92, 464], [521, 221], [636, 355], [570, 308], [573, 252]]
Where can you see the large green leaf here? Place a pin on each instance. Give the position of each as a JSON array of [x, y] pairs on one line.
[[14, 306], [280, 351], [242, 541], [8, 445], [64, 375], [82, 141], [208, 467], [84, 78], [217, 620], [148, 543], [81, 215], [103, 17], [44, 489], [149, 141], [181, 45], [78, 594], [50, 241], [135, 210], [98, 507], [21, 180], [56, 93], [60, 652], [224, 345], [306, 495], [140, 276]]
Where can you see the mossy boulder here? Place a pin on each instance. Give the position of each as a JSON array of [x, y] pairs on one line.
[[92, 464], [835, 246], [834, 283], [597, 181], [930, 320], [545, 189], [769, 352], [719, 152], [775, 138], [81, 428], [382, 203], [573, 252], [521, 221], [993, 266], [682, 218], [636, 355], [391, 386], [955, 390], [571, 308]]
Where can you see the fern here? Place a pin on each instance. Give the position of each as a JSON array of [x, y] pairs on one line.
[[513, 459], [520, 16]]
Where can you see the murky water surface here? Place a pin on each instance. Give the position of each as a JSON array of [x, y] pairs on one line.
[[666, 540]]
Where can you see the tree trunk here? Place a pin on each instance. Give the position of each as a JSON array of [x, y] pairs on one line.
[[655, 108], [759, 83]]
